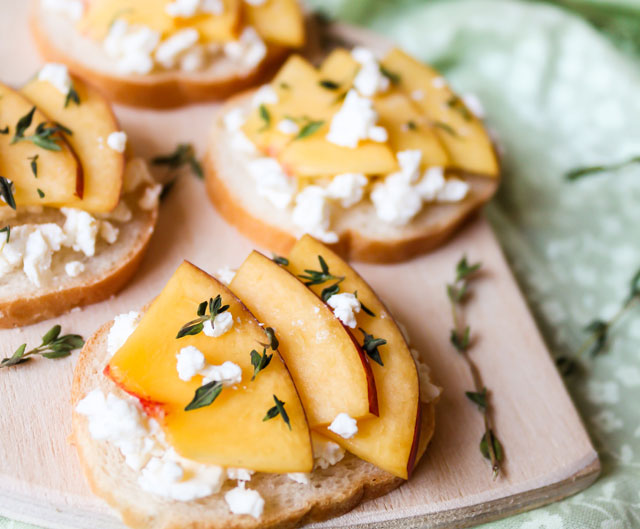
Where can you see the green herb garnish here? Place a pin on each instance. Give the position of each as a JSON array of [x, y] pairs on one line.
[[7, 230], [53, 346], [330, 291], [307, 130], [365, 309], [371, 345], [446, 127], [282, 261], [5, 130], [6, 192], [183, 155], [40, 193], [196, 326], [72, 97], [259, 362], [205, 395], [460, 338], [329, 85], [392, 76], [34, 164], [278, 409], [44, 135], [411, 125], [273, 342], [265, 116], [576, 174], [455, 103], [315, 277]]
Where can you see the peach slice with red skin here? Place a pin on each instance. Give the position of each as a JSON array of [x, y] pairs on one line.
[[330, 370], [231, 431], [390, 441]]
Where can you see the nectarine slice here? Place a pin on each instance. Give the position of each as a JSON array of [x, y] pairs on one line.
[[327, 365], [462, 133], [91, 121], [231, 431], [389, 441], [277, 21], [57, 174]]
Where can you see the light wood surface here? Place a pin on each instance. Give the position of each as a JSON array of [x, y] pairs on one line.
[[548, 453]]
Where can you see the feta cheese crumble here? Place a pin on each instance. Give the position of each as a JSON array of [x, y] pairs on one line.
[[117, 141], [344, 425], [150, 198], [370, 80], [326, 453], [74, 268], [272, 182], [244, 501], [312, 214], [170, 50], [265, 95], [189, 8], [228, 373], [348, 188], [355, 121], [345, 306], [249, 50], [190, 362], [131, 47], [239, 474], [123, 327], [57, 75], [288, 126], [221, 324]]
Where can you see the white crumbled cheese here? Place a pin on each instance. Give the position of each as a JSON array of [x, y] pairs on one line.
[[40, 245], [123, 327], [117, 141], [428, 391], [136, 173], [417, 95], [74, 268], [312, 214], [74, 9], [109, 232], [299, 477], [176, 478], [288, 126], [131, 47], [378, 134], [272, 182], [344, 425], [150, 197], [193, 59], [57, 75], [454, 190], [249, 50], [81, 230], [222, 323], [439, 82], [245, 501], [170, 50], [228, 373], [395, 201], [474, 104], [239, 474], [370, 80], [119, 422], [225, 275], [189, 8], [326, 453], [122, 213], [345, 306], [431, 184], [235, 119], [409, 161], [255, 2], [190, 361], [348, 188], [265, 95], [355, 121]]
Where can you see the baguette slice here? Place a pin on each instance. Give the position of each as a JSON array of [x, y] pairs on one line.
[[288, 504], [362, 235], [112, 266], [58, 40]]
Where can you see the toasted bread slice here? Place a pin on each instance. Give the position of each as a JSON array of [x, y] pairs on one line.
[[112, 266], [58, 40], [362, 235], [288, 504]]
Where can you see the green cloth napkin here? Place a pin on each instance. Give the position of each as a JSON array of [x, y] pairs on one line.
[[560, 85], [559, 94]]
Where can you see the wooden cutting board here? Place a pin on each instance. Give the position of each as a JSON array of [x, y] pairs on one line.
[[548, 453]]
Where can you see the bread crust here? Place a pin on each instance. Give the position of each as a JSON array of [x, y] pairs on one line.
[[358, 481], [352, 244], [158, 90]]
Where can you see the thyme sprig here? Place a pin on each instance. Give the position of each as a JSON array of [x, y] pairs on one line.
[[273, 342], [276, 410], [53, 346], [317, 277], [259, 362], [46, 135], [282, 261], [183, 155], [580, 172], [460, 338], [309, 128], [196, 326], [370, 346], [6, 192], [72, 97], [599, 329]]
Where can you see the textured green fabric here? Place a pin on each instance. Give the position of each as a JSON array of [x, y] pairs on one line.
[[559, 94]]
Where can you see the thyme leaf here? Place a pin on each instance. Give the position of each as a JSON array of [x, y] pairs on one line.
[[282, 261], [457, 104], [446, 127], [307, 130], [370, 346], [317, 277], [205, 395], [392, 76], [265, 116], [329, 85], [183, 155], [6, 192], [580, 172], [196, 325], [72, 97], [276, 410], [34, 164], [259, 362], [364, 308]]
